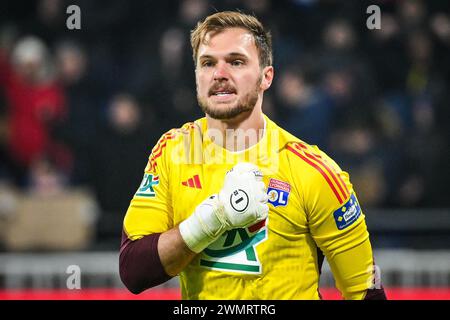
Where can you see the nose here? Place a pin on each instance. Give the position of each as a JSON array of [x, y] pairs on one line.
[[221, 71]]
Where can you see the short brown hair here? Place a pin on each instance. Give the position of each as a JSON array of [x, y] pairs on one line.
[[219, 21]]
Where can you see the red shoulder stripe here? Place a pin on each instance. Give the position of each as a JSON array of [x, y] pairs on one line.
[[168, 135], [157, 153], [341, 185], [318, 168]]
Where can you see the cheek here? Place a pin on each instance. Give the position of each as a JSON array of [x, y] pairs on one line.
[[248, 82], [202, 86]]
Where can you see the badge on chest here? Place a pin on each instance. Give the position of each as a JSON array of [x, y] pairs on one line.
[[278, 192]]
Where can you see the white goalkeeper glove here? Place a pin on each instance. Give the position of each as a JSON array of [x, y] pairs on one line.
[[241, 202]]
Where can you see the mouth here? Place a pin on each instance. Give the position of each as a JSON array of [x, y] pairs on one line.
[[222, 92], [222, 95]]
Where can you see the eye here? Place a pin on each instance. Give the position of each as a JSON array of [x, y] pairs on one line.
[[237, 63], [207, 63]]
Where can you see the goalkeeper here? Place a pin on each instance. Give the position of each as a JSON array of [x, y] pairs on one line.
[[235, 205]]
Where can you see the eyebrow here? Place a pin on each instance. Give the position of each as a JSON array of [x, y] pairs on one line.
[[237, 54], [229, 55]]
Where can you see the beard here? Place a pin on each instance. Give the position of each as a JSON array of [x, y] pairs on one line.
[[243, 105]]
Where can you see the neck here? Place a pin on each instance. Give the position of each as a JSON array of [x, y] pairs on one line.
[[239, 133]]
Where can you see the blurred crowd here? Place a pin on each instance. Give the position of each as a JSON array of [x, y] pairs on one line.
[[83, 108]]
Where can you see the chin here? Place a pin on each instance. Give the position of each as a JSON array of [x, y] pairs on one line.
[[222, 107], [227, 113], [225, 110]]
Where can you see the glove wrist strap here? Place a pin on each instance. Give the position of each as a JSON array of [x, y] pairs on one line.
[[204, 226]]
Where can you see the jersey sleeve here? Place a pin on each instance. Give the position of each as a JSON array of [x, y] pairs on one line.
[[150, 210], [336, 221]]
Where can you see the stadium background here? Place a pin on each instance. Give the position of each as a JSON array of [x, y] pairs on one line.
[[81, 109]]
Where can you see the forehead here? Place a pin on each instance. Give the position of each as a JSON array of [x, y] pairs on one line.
[[237, 40]]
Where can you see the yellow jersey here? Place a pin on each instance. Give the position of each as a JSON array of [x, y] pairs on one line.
[[313, 211]]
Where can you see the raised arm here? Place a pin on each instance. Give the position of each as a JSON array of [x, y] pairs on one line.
[[155, 258]]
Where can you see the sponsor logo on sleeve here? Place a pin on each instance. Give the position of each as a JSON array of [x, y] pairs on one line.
[[148, 183], [348, 213]]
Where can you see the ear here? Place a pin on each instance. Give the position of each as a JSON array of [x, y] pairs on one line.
[[267, 77]]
